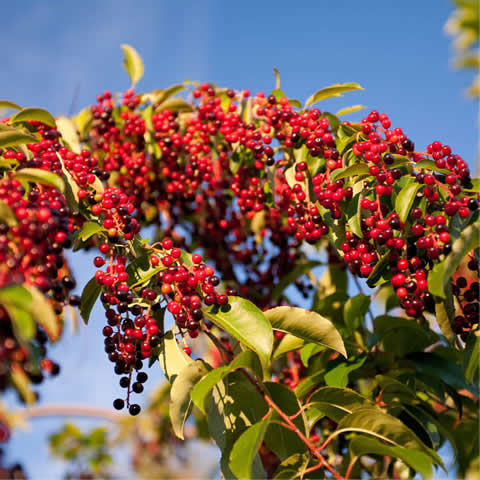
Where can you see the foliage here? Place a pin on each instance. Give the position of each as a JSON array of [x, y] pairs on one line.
[[285, 202]]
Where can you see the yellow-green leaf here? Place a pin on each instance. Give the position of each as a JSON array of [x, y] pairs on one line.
[[33, 114], [133, 63]]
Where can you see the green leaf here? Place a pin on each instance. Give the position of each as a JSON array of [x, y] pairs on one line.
[[69, 133], [471, 358], [308, 325], [22, 383], [427, 164], [133, 63], [283, 442], [287, 344], [22, 321], [290, 277], [348, 110], [89, 296], [332, 91], [335, 403], [419, 461], [200, 391], [445, 314], [234, 406], [89, 229], [292, 467], [175, 105], [6, 215], [43, 313], [8, 104], [36, 175], [171, 357], [245, 322], [180, 403], [356, 169], [355, 310], [245, 449], [374, 422], [339, 369], [277, 78], [406, 197], [159, 96], [378, 271], [33, 114], [10, 137], [308, 351], [442, 273]]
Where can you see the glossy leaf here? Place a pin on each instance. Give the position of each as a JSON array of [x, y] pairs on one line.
[[90, 293], [427, 164], [245, 449], [339, 369], [36, 175], [171, 357], [374, 422], [357, 169], [133, 63], [33, 114], [10, 137], [441, 274], [332, 91], [405, 199], [245, 322], [287, 344], [8, 104], [180, 403], [43, 313], [419, 461], [308, 325], [277, 78], [69, 133], [6, 215], [89, 229], [200, 391], [348, 110]]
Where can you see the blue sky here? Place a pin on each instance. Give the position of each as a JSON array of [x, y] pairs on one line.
[[397, 51]]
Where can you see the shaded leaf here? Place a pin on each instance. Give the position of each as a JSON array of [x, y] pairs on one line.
[[90, 293], [10, 137], [339, 369], [356, 169], [355, 310], [180, 404], [171, 357], [406, 197], [6, 215], [89, 229]]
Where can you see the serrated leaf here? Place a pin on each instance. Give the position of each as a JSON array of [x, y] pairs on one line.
[[277, 78], [442, 273], [172, 359], [69, 133], [357, 169], [33, 114], [405, 198], [180, 404], [8, 104], [245, 322], [245, 449], [6, 215], [419, 461], [10, 137], [348, 110], [36, 175], [332, 91], [133, 63], [89, 296], [89, 229], [200, 391], [308, 325]]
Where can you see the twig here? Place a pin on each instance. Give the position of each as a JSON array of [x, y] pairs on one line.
[[61, 410]]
